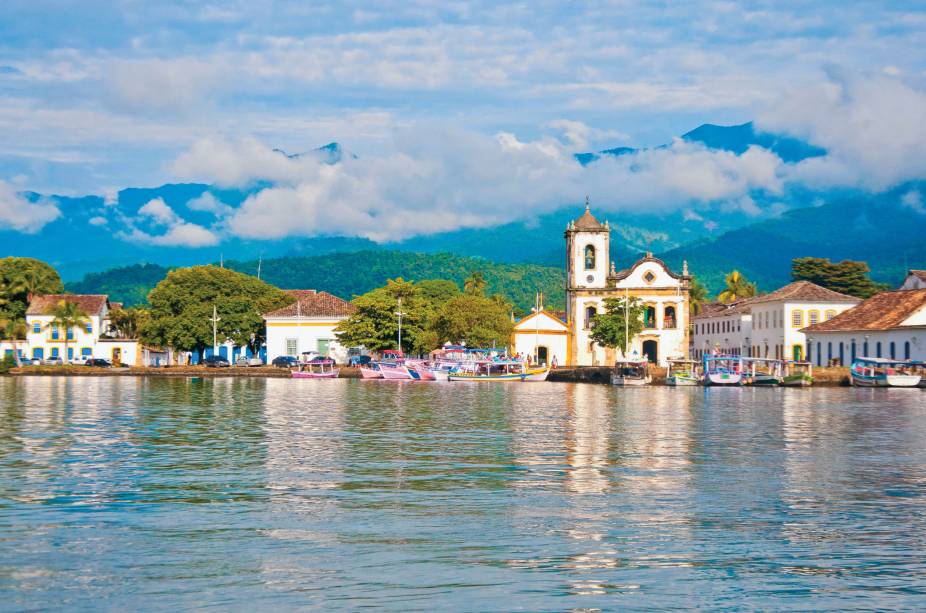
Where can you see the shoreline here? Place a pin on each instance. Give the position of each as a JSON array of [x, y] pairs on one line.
[[601, 375]]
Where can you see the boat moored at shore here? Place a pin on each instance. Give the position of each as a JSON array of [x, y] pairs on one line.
[[724, 370], [884, 372], [631, 372], [683, 372]]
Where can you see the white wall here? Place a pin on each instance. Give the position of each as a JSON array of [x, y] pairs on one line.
[[599, 275], [43, 339], [128, 350], [781, 331], [732, 334], [915, 336], [913, 282], [307, 332], [542, 330]]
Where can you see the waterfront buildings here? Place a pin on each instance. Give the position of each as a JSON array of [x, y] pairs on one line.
[[307, 325], [889, 325], [543, 336], [768, 326], [91, 340], [591, 278]]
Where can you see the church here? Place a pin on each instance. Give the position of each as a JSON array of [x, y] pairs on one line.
[[591, 277]]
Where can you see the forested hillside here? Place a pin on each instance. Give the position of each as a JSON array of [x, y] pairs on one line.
[[350, 274]]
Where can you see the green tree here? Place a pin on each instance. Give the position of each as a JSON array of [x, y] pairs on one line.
[[23, 278], [438, 291], [621, 322], [475, 284], [181, 309], [14, 330], [697, 295], [846, 277], [375, 324], [477, 320], [67, 315], [126, 323], [737, 288]]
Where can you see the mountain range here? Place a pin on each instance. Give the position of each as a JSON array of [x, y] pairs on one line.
[[881, 229]]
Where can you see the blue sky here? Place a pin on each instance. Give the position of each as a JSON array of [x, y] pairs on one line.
[[96, 96]]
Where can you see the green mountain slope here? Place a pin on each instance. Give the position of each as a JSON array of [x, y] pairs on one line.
[[350, 274]]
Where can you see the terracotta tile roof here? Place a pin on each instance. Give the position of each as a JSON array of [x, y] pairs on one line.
[[310, 303], [91, 304], [884, 311], [588, 222], [805, 291], [722, 309]]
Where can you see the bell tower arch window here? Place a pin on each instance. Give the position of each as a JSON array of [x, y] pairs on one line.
[[589, 257]]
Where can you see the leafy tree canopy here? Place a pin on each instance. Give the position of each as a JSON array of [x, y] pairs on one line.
[[22, 278], [375, 324], [619, 324], [479, 321], [846, 277], [181, 308], [737, 288]]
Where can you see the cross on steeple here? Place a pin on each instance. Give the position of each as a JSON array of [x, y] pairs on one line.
[[587, 205]]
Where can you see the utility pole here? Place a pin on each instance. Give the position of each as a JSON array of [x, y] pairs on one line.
[[215, 334], [400, 314], [259, 260], [626, 319]]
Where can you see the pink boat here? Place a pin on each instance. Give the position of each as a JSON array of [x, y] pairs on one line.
[[371, 373], [420, 368], [394, 372]]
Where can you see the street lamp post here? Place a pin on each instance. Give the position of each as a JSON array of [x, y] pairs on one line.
[[400, 314], [215, 320]]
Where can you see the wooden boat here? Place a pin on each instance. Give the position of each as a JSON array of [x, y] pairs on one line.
[[371, 371], [683, 372], [419, 369], [631, 372], [882, 372], [798, 374], [761, 371], [723, 370], [394, 372], [497, 370], [317, 369]]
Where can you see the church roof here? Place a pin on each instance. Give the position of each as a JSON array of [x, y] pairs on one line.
[[587, 222]]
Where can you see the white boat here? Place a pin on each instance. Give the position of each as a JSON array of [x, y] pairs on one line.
[[497, 370], [883, 372], [317, 369], [635, 372], [798, 374], [723, 370], [683, 372]]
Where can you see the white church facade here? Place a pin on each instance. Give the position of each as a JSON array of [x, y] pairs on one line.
[[591, 277]]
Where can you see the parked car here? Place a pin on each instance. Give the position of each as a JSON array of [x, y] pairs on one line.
[[359, 360], [53, 361], [284, 361], [98, 362], [34, 361], [244, 362], [216, 361]]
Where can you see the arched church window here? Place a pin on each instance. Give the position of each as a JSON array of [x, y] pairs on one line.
[[669, 318], [589, 257], [590, 313], [649, 317]]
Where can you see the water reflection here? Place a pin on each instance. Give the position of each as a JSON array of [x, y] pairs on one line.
[[277, 493]]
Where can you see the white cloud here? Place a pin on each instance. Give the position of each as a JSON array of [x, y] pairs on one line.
[[159, 211], [19, 214], [913, 200], [872, 126], [97, 221], [208, 203], [438, 178]]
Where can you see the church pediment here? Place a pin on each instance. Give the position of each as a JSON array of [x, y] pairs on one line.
[[648, 271], [542, 321]]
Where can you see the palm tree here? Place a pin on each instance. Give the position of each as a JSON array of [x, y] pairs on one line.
[[697, 295], [475, 284], [15, 330], [67, 315], [28, 282], [126, 323], [738, 287]]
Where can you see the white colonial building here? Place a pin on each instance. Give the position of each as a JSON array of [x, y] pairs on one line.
[[887, 325], [307, 325], [916, 279], [591, 278], [45, 340], [722, 328], [543, 336], [767, 326]]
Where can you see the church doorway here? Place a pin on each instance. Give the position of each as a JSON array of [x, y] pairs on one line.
[[650, 351]]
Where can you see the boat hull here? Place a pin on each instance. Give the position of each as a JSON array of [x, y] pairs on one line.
[[333, 374], [682, 381], [797, 381], [396, 373], [762, 380], [630, 381], [724, 379], [859, 380], [369, 373]]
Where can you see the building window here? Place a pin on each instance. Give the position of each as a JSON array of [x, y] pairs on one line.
[[54, 333], [70, 334], [830, 314], [590, 313], [813, 317], [37, 328], [878, 349], [766, 319], [906, 350], [865, 353], [292, 347], [893, 350], [649, 317], [589, 257], [38, 353], [54, 352], [819, 353], [86, 352], [829, 352], [668, 318], [852, 355], [797, 318], [649, 277], [89, 327]]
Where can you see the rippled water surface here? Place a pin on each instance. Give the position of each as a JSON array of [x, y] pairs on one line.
[[123, 493]]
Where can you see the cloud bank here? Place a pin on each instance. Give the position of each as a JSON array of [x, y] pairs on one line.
[[17, 213]]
